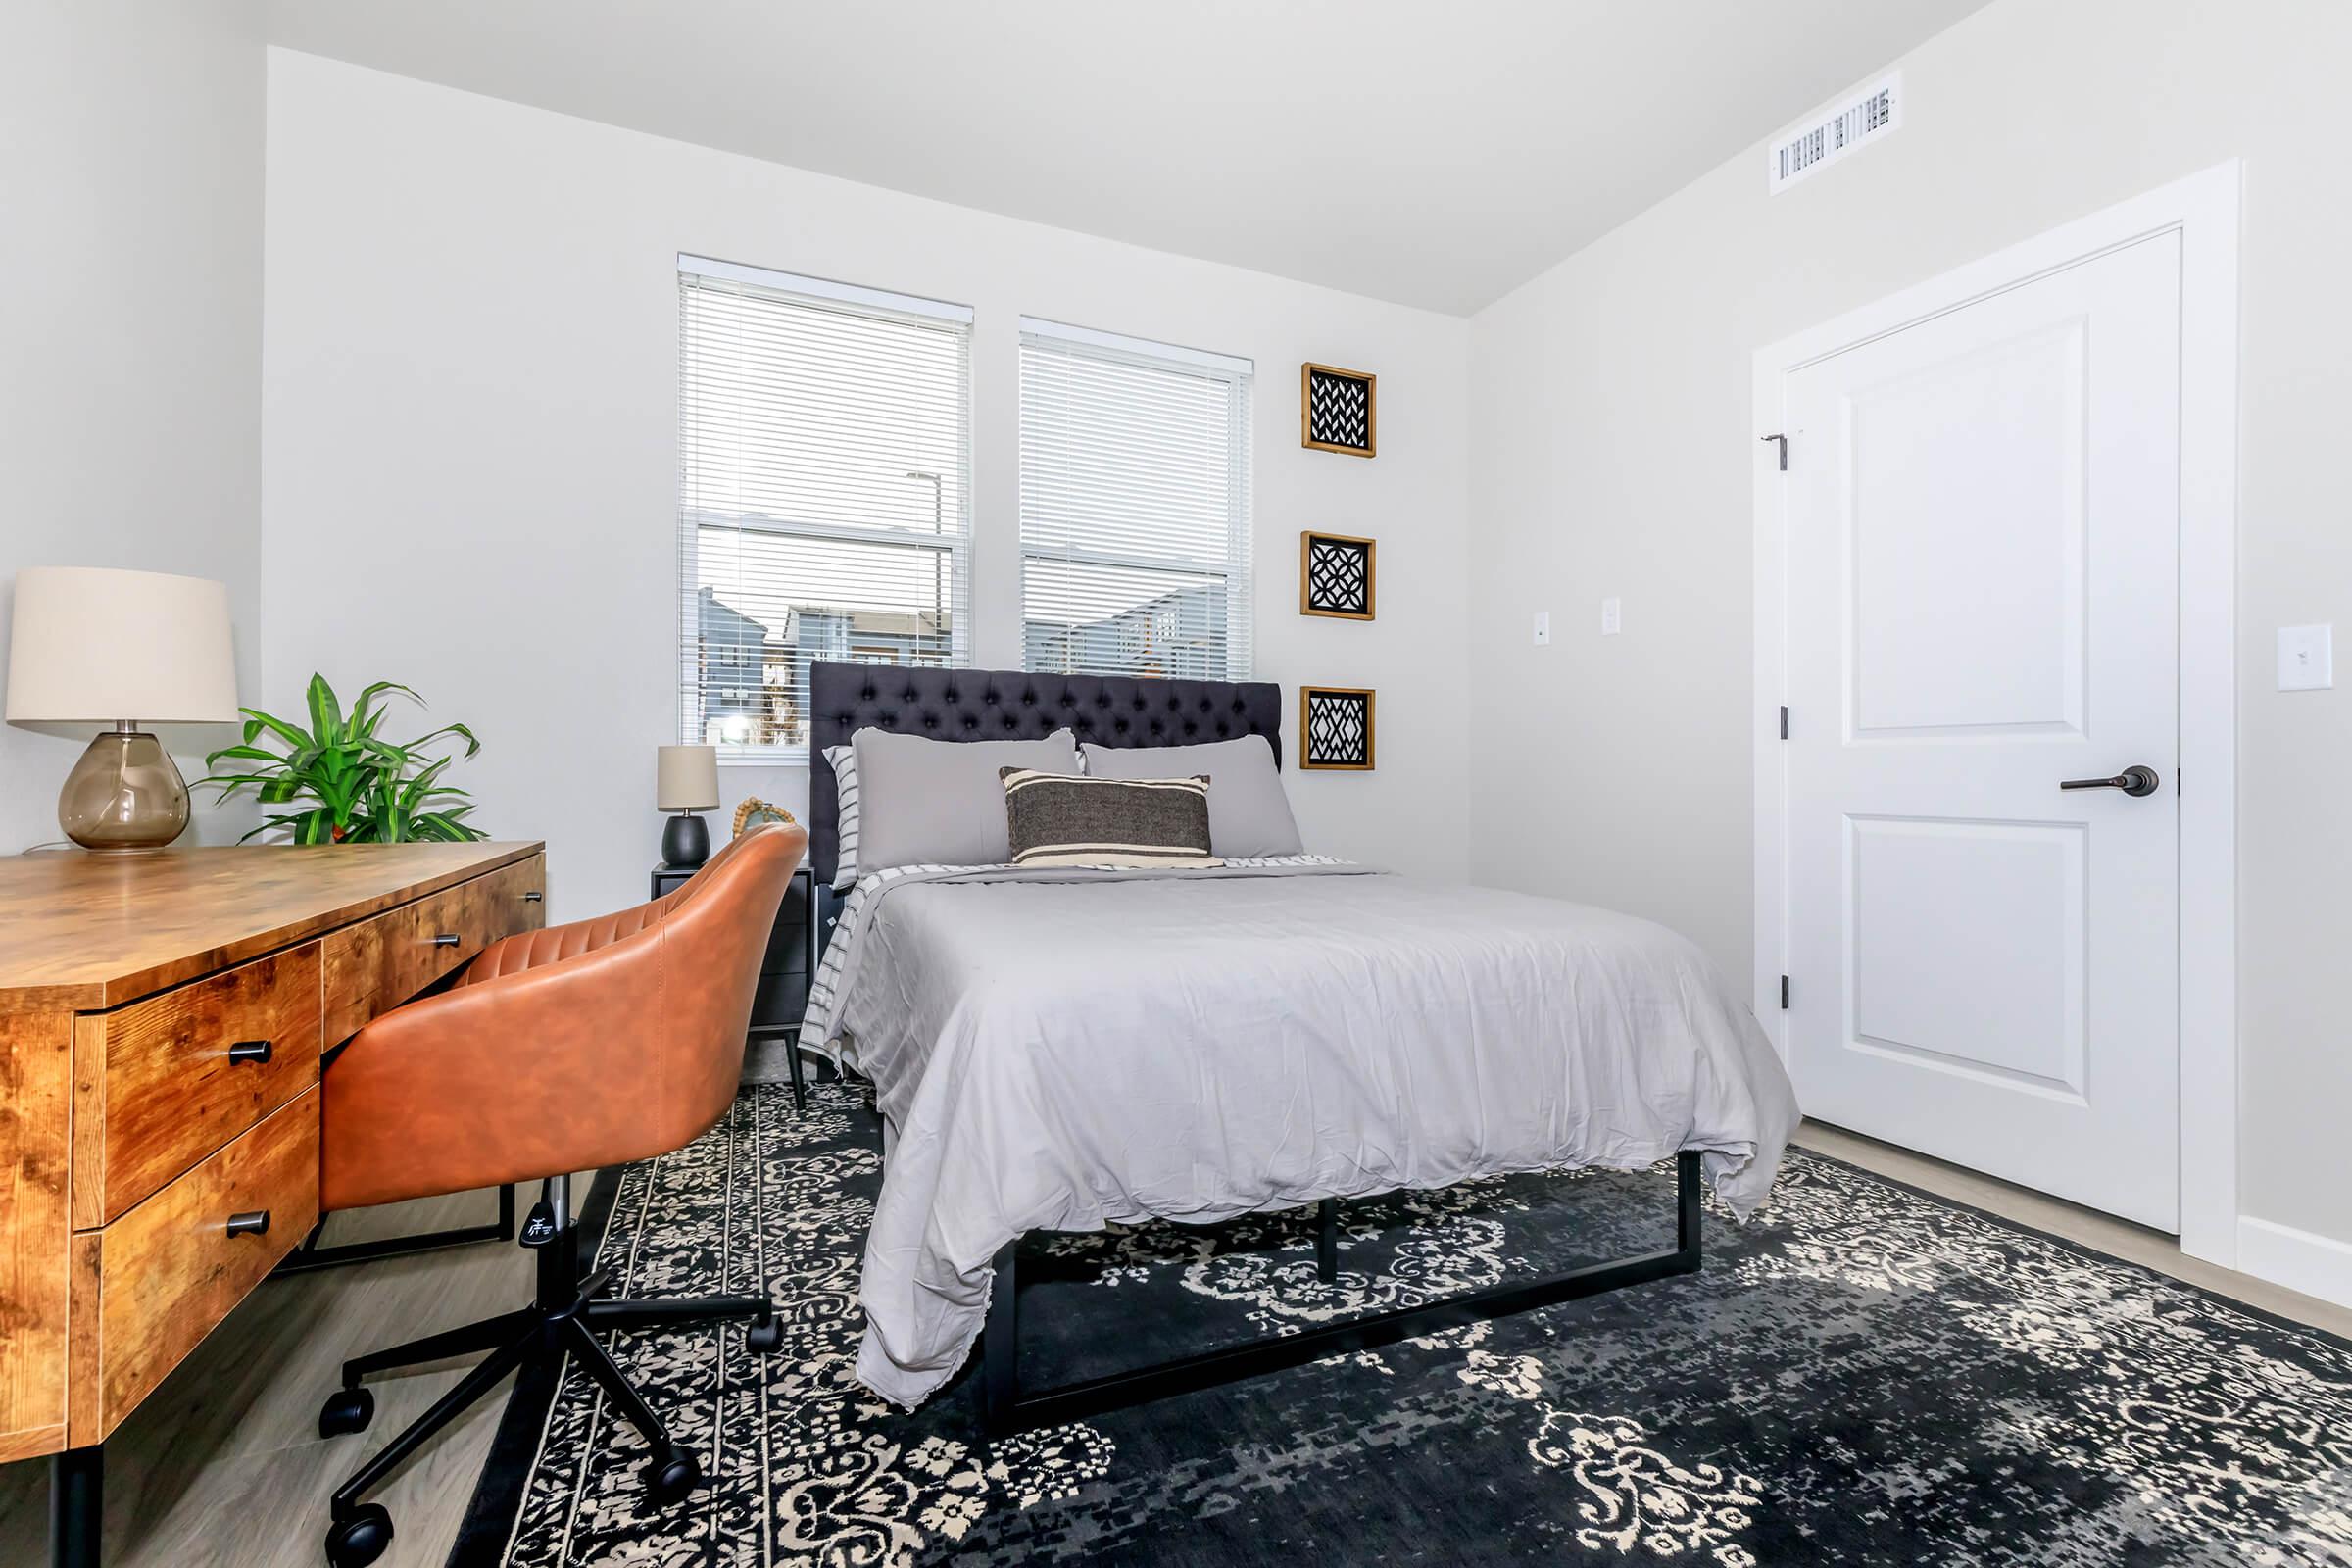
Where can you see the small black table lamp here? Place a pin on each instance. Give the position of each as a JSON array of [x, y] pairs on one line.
[[686, 783]]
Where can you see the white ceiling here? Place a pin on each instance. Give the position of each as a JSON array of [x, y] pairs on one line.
[[1432, 152]]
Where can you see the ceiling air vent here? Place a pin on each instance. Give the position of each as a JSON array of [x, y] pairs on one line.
[[1828, 133]]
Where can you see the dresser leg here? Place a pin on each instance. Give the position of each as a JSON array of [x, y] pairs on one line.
[[77, 1503]]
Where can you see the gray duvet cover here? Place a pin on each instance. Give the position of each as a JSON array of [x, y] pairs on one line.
[[1059, 1049]]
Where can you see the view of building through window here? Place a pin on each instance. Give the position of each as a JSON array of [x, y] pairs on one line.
[[824, 494], [1135, 507], [826, 509]]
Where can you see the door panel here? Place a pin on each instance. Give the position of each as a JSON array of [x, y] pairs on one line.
[[1983, 537], [1919, 975], [1940, 525]]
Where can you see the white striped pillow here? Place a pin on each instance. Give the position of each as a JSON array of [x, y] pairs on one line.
[[844, 793]]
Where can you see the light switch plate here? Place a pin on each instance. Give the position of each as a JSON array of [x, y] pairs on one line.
[[1610, 620], [1543, 629], [2307, 657]]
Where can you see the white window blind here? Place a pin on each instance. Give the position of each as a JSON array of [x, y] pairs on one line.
[[825, 482], [1135, 506]]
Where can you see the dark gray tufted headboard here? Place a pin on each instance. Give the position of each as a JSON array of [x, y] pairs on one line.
[[1010, 704]]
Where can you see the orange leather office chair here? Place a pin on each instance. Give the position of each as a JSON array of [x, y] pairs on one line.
[[557, 1051]]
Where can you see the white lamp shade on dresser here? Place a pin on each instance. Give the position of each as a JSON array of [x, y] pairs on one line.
[[687, 779], [92, 646]]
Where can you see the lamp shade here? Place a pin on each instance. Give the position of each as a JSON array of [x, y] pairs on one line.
[[91, 646], [687, 779]]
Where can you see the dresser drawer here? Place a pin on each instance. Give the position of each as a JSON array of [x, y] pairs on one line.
[[377, 964], [151, 1285], [162, 1082]]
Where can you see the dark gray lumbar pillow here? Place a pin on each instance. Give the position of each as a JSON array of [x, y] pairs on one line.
[[1058, 820], [1248, 815], [940, 803]]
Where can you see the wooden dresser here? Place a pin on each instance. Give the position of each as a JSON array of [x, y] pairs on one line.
[[162, 1020]]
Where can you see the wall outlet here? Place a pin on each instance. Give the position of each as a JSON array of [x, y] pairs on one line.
[[2307, 657], [1610, 621], [1543, 629]]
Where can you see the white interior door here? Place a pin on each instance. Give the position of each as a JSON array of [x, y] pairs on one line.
[[1983, 537]]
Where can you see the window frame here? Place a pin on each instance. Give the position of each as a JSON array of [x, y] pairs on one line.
[[1237, 572], [952, 546]]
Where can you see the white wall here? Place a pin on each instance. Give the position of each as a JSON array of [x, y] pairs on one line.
[[130, 299], [1614, 455], [470, 393]]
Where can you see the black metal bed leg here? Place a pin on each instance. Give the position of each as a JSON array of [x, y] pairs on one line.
[[1000, 1346], [1689, 1203], [1327, 1240]]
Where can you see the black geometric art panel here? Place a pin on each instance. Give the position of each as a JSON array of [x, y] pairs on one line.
[[1336, 576], [1339, 410], [1335, 729]]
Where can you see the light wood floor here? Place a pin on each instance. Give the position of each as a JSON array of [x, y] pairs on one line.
[[223, 1467], [2114, 1237]]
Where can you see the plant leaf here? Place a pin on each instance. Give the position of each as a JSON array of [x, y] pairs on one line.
[[471, 745], [326, 714]]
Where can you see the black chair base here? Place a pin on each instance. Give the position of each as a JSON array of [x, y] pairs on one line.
[[562, 1321]]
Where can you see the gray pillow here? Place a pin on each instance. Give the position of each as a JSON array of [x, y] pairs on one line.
[[1249, 814], [941, 802]]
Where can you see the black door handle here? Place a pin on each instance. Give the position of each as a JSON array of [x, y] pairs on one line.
[[2132, 780], [449, 939], [249, 1051], [255, 1222]]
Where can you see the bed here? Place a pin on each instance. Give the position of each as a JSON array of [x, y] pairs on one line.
[[1058, 1050]]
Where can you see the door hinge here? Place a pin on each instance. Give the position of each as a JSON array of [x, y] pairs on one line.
[[1784, 993], [1784, 721], [1784, 441]]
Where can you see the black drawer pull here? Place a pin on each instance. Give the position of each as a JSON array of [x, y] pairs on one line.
[[255, 1222], [533, 897], [255, 1050], [446, 939]]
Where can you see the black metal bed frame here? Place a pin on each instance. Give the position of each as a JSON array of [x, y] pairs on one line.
[[1005, 1409]]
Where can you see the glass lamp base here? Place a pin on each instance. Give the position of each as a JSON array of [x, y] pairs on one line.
[[124, 794]]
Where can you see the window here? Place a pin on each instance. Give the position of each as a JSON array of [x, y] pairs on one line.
[[824, 482], [1135, 506]]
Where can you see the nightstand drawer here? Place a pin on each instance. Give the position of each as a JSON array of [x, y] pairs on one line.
[[377, 964], [150, 1285], [162, 1082]]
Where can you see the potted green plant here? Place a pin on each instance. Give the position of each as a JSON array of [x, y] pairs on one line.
[[345, 783]]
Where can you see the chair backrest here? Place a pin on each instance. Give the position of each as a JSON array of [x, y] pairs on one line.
[[713, 933]]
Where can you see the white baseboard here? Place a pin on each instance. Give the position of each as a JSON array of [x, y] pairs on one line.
[[2301, 1261]]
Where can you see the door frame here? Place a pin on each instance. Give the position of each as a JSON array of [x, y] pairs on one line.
[[2203, 210]]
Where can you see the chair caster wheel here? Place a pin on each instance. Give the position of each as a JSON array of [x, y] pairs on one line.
[[764, 1337], [671, 1477], [345, 1410], [360, 1540]]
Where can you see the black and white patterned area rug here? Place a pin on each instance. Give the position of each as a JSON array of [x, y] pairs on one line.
[[1863, 1374]]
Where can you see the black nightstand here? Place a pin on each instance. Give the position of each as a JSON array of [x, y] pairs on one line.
[[782, 999]]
